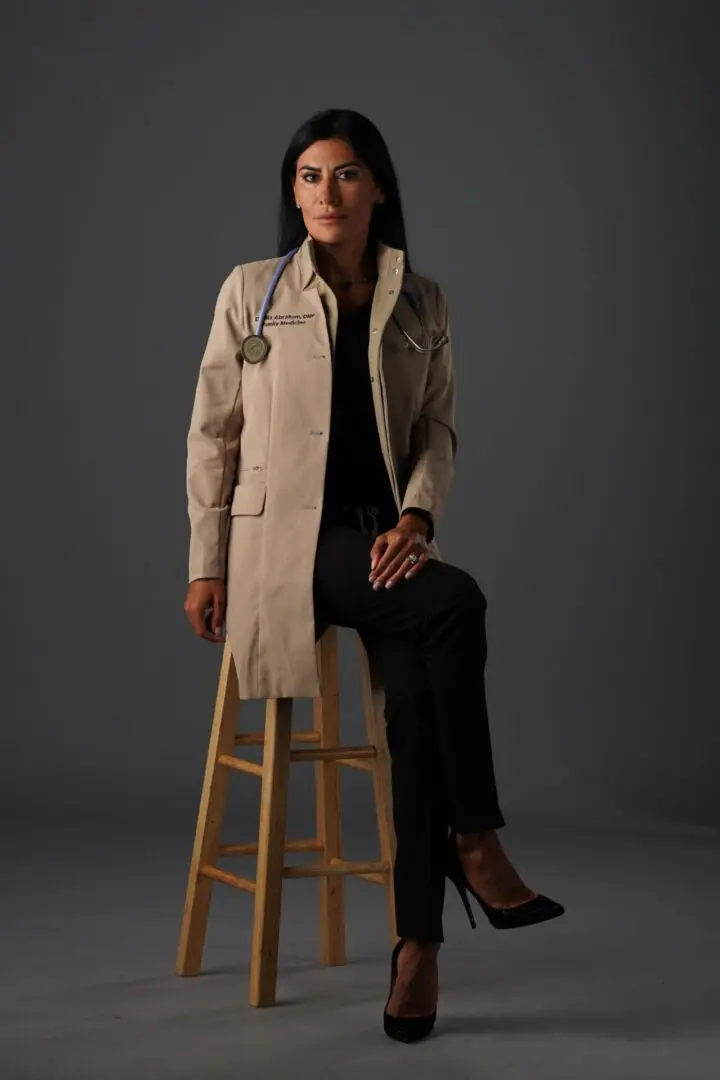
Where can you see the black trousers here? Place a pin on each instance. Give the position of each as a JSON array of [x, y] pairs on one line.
[[426, 639]]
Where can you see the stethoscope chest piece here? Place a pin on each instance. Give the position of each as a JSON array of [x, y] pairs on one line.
[[254, 349]]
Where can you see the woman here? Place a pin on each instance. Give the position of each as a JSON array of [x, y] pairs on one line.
[[320, 454]]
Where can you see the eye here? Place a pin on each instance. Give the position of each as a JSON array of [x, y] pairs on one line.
[[349, 174], [309, 176]]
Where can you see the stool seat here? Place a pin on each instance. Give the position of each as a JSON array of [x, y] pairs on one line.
[[272, 844]]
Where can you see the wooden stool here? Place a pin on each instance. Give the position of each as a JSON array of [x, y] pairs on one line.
[[272, 842]]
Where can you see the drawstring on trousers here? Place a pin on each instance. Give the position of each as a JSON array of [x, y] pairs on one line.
[[363, 516], [372, 512]]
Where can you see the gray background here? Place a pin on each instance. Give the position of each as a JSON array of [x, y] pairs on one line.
[[560, 167]]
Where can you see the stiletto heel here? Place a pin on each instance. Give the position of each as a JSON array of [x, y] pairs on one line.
[[406, 1029], [539, 909], [462, 890]]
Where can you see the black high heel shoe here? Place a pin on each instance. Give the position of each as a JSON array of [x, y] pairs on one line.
[[539, 909], [406, 1029]]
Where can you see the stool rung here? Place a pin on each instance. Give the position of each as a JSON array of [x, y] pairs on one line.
[[334, 753], [257, 738], [251, 849], [374, 872], [240, 764], [337, 866], [217, 874], [376, 879], [363, 764]]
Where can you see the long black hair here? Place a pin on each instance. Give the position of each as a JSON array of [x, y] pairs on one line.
[[387, 223]]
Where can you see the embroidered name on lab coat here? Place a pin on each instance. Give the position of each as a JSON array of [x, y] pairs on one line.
[[294, 319]]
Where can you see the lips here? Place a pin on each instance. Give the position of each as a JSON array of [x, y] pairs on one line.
[[331, 217]]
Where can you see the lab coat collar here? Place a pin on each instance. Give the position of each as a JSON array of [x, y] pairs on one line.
[[389, 260]]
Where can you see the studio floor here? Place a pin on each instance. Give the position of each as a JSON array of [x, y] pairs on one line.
[[624, 986]]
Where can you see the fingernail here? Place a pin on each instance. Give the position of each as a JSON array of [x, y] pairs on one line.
[[389, 584], [376, 585]]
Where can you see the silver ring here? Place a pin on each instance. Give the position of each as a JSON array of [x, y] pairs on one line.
[[413, 558]]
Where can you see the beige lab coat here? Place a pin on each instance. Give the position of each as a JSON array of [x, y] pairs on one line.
[[258, 439]]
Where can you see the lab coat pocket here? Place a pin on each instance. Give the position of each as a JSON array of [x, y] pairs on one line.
[[248, 499]]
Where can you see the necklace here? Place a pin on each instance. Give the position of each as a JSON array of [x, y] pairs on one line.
[[347, 284], [366, 279]]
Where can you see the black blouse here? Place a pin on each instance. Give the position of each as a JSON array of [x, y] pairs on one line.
[[356, 474]]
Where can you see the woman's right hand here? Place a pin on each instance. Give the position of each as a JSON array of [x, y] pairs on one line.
[[205, 608]]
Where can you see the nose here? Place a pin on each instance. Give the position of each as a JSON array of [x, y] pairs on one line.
[[329, 191]]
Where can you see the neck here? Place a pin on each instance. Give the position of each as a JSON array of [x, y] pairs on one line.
[[347, 261]]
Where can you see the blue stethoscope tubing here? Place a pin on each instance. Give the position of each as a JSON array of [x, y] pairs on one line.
[[254, 348], [271, 289]]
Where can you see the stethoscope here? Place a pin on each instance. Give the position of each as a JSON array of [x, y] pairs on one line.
[[441, 340], [255, 348]]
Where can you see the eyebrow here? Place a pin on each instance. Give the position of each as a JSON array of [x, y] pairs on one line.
[[344, 165]]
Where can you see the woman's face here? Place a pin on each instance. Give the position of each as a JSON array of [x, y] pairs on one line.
[[335, 191]]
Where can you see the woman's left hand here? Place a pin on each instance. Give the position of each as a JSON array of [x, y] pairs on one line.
[[389, 555]]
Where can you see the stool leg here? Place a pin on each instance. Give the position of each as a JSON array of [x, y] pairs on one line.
[[209, 822], [326, 714], [374, 710], [271, 851]]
